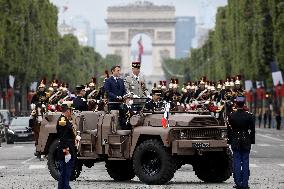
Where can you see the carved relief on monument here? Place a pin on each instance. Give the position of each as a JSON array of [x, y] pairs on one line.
[[164, 35], [117, 36], [165, 54], [133, 32]]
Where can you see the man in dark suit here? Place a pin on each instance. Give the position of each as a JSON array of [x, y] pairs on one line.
[[241, 134], [114, 87]]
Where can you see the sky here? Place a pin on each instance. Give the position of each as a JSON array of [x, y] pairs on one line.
[[95, 12]]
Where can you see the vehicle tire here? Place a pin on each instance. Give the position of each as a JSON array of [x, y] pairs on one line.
[[152, 162], [214, 167], [10, 140], [120, 170], [53, 164]]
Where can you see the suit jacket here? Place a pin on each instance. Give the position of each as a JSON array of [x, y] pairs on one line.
[[134, 85], [241, 132], [114, 88]]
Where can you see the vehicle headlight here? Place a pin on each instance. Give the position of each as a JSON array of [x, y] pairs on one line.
[[224, 134], [11, 131], [182, 135]]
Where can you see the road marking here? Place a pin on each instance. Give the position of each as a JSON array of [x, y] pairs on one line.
[[276, 139], [2, 167], [253, 165], [263, 144], [26, 161], [281, 165], [37, 166], [18, 146]]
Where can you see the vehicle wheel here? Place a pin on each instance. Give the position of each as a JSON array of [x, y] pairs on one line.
[[120, 170], [10, 140], [152, 163], [53, 163], [214, 167]]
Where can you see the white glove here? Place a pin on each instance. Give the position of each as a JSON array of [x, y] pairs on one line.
[[78, 138], [33, 106], [67, 158], [43, 106]]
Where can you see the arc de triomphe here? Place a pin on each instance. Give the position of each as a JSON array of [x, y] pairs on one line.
[[158, 22]]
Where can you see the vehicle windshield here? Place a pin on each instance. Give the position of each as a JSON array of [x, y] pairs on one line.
[[20, 121]]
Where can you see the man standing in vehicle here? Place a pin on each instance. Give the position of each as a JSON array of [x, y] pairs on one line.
[[241, 134], [135, 83], [115, 88]]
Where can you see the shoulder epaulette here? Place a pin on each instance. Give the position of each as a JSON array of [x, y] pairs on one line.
[[62, 121]]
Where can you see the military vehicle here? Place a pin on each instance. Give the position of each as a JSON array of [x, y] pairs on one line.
[[149, 151]]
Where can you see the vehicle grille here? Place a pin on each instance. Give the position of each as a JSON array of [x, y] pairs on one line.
[[197, 133], [204, 121], [204, 133], [21, 132]]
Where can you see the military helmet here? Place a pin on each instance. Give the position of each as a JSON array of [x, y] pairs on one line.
[[238, 80], [42, 83], [80, 87], [93, 82], [156, 90], [175, 83], [54, 83], [128, 95]]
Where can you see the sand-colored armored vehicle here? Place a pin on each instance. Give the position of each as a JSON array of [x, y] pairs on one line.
[[149, 151]]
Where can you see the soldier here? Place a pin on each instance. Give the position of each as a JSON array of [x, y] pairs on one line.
[[135, 83], [80, 103], [201, 92], [155, 104], [238, 90], [92, 95], [241, 134], [126, 111], [38, 106], [102, 95], [66, 148]]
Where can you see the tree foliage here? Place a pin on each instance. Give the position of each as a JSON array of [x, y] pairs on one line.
[[31, 47], [248, 36]]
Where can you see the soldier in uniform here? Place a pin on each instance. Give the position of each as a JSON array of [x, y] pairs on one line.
[[201, 92], [102, 95], [80, 103], [155, 104], [238, 90], [135, 83], [92, 95], [126, 111], [66, 148], [38, 105], [241, 134]]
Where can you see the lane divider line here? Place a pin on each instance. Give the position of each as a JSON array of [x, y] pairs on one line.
[[253, 165], [37, 166], [272, 138], [2, 167], [26, 161]]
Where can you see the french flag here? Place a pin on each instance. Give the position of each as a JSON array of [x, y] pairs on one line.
[[165, 118]]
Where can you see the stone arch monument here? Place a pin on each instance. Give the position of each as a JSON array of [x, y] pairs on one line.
[[158, 22]]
